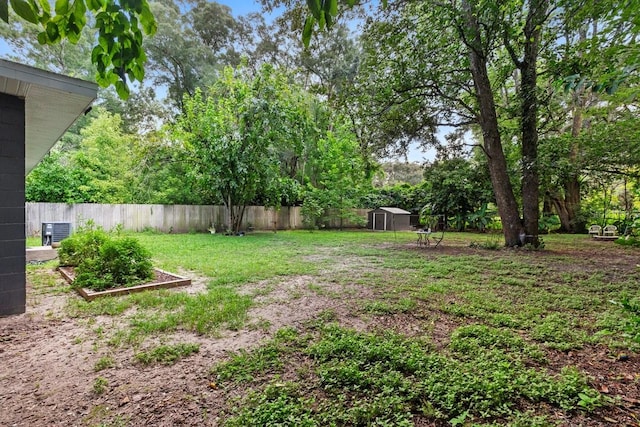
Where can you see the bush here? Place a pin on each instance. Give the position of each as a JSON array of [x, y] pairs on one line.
[[103, 260], [628, 241], [83, 244]]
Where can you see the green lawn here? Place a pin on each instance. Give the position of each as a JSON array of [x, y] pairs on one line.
[[489, 329]]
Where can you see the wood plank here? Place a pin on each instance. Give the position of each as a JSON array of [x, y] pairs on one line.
[[90, 295]]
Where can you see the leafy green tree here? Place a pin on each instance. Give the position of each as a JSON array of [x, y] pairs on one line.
[[65, 57], [178, 58], [587, 61], [404, 196], [428, 65], [500, 46], [456, 189], [56, 180], [163, 173], [121, 24], [399, 172], [331, 63], [339, 181], [234, 134], [261, 42], [106, 158], [141, 113], [99, 170]]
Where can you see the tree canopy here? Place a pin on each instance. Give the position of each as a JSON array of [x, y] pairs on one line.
[[121, 25], [535, 100]]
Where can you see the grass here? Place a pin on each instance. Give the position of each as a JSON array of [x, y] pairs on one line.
[[103, 363], [100, 385], [166, 354], [506, 312]]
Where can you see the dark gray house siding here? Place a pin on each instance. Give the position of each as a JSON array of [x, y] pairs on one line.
[[36, 108], [12, 219]]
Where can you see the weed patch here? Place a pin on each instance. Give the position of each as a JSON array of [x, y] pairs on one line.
[[267, 359], [100, 385], [387, 379], [166, 354], [104, 362]]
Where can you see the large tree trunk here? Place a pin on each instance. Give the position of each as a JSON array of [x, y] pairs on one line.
[[567, 202], [505, 199], [560, 207], [569, 205], [528, 66], [572, 184]]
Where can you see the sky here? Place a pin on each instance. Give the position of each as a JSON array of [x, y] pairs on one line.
[[241, 7]]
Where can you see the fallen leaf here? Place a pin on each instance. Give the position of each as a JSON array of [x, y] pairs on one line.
[[213, 386], [604, 388]]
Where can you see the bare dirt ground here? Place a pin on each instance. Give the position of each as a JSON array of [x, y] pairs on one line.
[[47, 358]]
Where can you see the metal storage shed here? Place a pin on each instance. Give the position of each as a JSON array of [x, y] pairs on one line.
[[388, 219], [36, 108]]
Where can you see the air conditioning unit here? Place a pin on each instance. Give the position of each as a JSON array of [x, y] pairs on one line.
[[53, 232]]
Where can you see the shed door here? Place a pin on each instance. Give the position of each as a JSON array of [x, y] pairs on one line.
[[379, 221]]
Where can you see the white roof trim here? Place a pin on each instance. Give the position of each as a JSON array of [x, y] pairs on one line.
[[26, 75], [395, 210], [52, 103]]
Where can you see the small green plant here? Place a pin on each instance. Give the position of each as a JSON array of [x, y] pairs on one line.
[[473, 340], [243, 365], [385, 379], [312, 212], [105, 260], [167, 354], [100, 385], [492, 244], [632, 310], [84, 244], [103, 363], [531, 247], [278, 404], [560, 332]]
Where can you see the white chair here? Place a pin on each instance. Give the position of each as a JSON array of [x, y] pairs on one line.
[[610, 230], [595, 230]]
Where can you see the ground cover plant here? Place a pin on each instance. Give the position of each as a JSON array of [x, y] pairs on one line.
[[342, 328]]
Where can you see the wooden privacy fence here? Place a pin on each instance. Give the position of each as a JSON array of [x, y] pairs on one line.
[[165, 218]]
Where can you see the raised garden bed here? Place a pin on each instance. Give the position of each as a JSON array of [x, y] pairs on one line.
[[162, 280]]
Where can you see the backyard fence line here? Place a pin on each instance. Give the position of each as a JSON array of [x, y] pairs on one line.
[[167, 218]]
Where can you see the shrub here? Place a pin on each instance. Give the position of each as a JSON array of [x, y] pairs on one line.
[[83, 244], [628, 241], [103, 260]]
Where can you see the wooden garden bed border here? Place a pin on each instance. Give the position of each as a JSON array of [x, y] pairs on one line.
[[90, 295]]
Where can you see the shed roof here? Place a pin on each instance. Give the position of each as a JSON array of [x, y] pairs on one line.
[[52, 103], [395, 210]]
